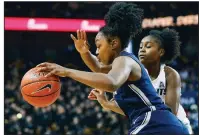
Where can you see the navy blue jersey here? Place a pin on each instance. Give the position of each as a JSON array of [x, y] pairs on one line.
[[138, 97]]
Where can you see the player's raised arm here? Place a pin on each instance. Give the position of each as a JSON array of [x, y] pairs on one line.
[[82, 46]]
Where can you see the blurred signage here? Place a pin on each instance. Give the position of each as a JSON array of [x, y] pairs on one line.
[[47, 24], [169, 21], [71, 25]]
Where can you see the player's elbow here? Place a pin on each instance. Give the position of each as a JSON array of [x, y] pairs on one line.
[[113, 85], [110, 87], [96, 69]]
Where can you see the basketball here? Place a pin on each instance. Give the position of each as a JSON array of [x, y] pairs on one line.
[[38, 90]]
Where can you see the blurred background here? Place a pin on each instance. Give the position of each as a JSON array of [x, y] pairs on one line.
[[30, 41]]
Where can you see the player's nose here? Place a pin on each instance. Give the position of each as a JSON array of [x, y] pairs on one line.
[[97, 51], [98, 58]]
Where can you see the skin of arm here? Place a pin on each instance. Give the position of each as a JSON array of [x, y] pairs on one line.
[[173, 89], [100, 96], [91, 61], [82, 46], [110, 82], [111, 105]]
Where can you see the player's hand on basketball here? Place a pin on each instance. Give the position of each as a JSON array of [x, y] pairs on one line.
[[52, 69], [81, 43], [99, 95]]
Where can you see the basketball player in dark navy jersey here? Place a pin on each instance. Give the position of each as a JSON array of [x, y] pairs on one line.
[[134, 94]]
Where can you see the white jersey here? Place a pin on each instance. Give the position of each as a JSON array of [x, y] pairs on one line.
[[160, 85]]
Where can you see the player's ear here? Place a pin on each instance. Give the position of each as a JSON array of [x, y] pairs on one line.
[[115, 43], [162, 52]]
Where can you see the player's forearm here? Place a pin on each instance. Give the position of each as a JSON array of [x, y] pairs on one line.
[[172, 100], [113, 107], [91, 61], [94, 80], [93, 64], [172, 106]]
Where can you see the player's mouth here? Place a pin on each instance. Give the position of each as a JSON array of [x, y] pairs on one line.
[[141, 56]]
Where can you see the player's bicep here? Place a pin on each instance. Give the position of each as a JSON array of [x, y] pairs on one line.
[[121, 69]]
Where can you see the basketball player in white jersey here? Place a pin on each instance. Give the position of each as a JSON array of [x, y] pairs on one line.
[[157, 49]]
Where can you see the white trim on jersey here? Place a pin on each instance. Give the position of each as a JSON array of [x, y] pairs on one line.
[[144, 123], [142, 96]]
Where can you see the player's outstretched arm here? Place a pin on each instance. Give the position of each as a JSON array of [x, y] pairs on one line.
[[82, 46], [110, 82], [100, 96], [173, 89]]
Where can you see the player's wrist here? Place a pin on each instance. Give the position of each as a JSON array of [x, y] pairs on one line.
[[67, 72], [104, 103], [84, 52]]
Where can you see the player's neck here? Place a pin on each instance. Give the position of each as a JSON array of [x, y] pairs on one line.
[[153, 70]]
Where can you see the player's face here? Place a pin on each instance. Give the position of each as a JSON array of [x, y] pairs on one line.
[[149, 51], [104, 51]]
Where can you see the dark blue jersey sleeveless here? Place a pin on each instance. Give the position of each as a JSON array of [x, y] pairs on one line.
[[138, 97]]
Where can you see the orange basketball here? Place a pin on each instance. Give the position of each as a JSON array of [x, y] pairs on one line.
[[38, 90]]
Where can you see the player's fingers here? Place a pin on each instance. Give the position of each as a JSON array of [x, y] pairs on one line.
[[101, 92], [93, 90], [50, 73], [81, 34], [86, 45], [92, 98], [43, 69], [90, 93], [73, 37], [42, 64], [84, 35], [78, 34], [95, 93]]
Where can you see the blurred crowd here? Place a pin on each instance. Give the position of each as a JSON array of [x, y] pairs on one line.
[[85, 9], [189, 97]]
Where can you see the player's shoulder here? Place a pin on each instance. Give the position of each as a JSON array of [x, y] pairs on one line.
[[124, 59], [171, 73]]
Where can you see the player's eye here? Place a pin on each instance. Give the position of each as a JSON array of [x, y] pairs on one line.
[[148, 46]]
